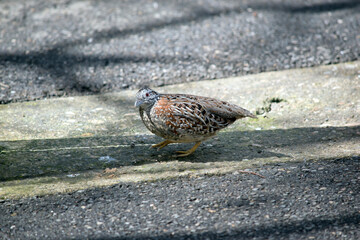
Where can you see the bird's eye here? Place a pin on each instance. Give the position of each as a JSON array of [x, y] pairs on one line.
[[147, 94]]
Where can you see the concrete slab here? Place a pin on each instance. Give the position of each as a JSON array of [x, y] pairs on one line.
[[67, 144]]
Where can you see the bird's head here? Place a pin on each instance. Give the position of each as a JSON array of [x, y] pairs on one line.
[[146, 97]]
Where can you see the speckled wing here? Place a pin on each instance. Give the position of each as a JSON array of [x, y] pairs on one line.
[[223, 109], [217, 107], [193, 116]]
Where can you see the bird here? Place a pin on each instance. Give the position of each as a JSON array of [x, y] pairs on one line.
[[183, 118]]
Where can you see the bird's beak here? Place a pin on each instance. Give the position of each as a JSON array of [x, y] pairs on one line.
[[138, 103]]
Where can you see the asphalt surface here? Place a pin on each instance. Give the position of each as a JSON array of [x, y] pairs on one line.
[[70, 47], [314, 200], [64, 47]]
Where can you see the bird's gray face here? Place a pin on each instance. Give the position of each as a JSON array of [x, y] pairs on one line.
[[146, 97]]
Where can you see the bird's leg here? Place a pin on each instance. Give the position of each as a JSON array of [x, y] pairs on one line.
[[162, 144], [190, 151]]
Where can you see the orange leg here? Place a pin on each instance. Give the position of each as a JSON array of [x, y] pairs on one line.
[[162, 144], [190, 151]]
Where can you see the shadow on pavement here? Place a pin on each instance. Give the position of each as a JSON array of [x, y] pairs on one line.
[[313, 8], [62, 66], [283, 229], [327, 222], [34, 158]]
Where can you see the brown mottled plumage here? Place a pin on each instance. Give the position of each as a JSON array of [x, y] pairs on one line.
[[181, 118]]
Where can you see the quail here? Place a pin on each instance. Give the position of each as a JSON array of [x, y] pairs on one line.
[[182, 118]]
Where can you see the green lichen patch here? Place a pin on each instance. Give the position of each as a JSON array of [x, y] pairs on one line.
[[267, 103]]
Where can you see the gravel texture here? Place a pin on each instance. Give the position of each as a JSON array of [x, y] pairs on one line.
[[308, 200], [70, 47]]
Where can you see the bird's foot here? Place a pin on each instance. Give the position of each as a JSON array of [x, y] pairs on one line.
[[188, 152], [162, 144]]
